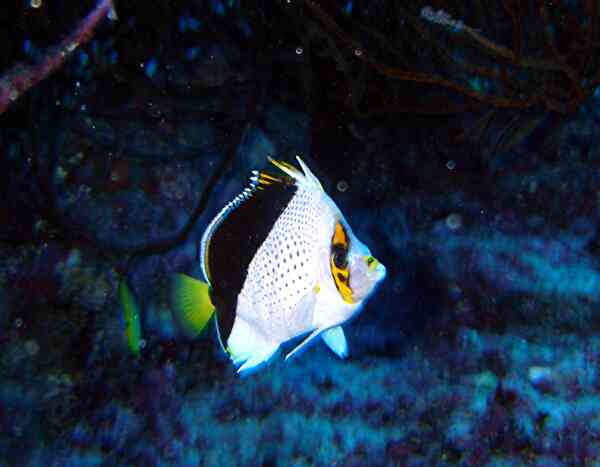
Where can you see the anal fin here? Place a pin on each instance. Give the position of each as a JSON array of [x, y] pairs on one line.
[[247, 346], [303, 344], [257, 359], [336, 341]]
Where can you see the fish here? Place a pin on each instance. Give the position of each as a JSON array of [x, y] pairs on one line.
[[278, 261], [131, 316]]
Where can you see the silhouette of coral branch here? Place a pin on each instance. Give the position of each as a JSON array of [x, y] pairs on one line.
[[20, 78], [528, 81]]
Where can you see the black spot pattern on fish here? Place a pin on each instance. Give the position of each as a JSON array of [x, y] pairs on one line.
[[235, 242], [285, 268]]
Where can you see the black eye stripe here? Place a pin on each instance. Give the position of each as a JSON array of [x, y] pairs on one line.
[[340, 256], [339, 248]]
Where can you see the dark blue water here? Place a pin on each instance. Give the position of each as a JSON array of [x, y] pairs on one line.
[[459, 139]]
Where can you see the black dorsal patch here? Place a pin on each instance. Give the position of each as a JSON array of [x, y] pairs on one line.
[[236, 239]]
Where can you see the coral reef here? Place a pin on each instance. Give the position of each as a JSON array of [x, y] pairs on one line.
[[422, 407], [460, 143]]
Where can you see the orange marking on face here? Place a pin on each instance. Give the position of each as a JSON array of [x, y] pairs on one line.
[[338, 262]]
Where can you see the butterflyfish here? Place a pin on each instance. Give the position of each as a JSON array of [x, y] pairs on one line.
[[278, 261]]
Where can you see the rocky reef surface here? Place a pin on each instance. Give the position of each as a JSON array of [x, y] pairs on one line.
[[480, 348]]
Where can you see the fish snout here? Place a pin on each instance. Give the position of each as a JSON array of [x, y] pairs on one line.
[[371, 262], [375, 266]]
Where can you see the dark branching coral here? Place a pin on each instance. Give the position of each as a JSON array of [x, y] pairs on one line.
[[505, 54]]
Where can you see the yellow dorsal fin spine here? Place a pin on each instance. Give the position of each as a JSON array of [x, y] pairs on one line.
[[307, 179], [266, 178], [287, 168], [190, 299]]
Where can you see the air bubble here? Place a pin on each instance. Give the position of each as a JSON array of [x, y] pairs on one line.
[[35, 3], [299, 50], [450, 165], [342, 186], [454, 221], [32, 347]]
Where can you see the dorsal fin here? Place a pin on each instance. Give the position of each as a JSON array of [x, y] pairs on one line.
[[259, 180], [214, 224], [234, 236], [306, 180]]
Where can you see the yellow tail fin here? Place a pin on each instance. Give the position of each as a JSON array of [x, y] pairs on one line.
[[131, 314], [191, 303]]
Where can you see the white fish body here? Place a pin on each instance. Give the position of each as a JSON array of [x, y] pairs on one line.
[[301, 271], [293, 291]]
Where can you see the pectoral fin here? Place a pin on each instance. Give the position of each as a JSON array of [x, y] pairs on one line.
[[300, 319], [336, 341]]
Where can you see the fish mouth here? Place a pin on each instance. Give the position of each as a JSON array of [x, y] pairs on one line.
[[375, 267], [380, 272]]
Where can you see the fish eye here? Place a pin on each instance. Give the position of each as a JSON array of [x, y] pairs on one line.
[[340, 257]]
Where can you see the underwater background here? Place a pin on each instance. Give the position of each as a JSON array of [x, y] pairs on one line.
[[461, 139]]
